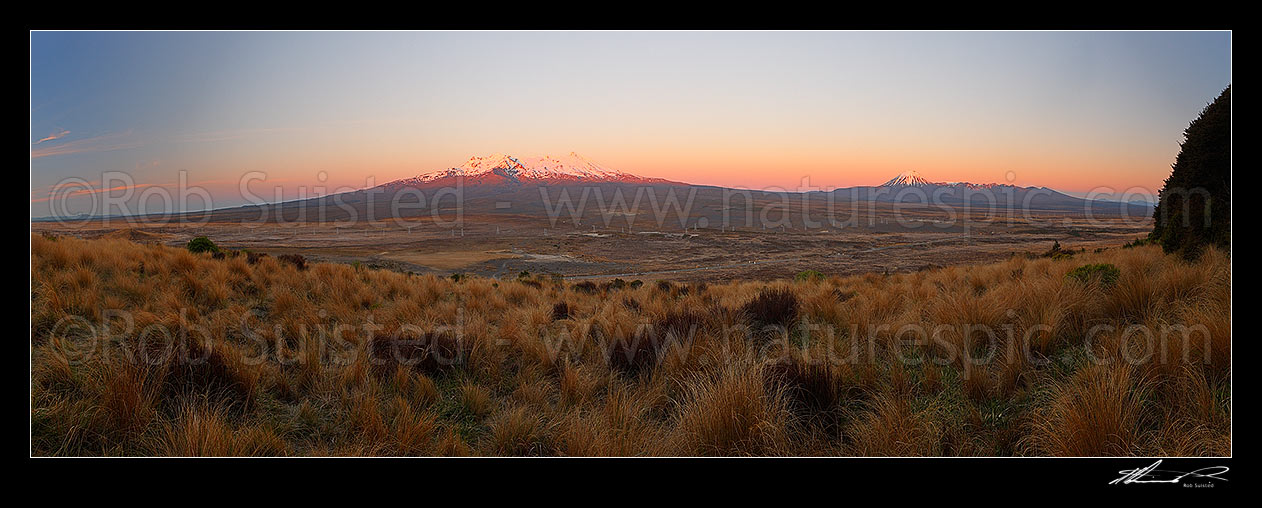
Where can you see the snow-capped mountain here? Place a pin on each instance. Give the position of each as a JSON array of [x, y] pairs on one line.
[[912, 187], [913, 178], [502, 184], [508, 169], [908, 178]]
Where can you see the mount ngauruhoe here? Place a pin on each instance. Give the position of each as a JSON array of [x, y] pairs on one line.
[[527, 189]]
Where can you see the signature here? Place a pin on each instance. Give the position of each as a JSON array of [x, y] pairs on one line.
[[1151, 474]]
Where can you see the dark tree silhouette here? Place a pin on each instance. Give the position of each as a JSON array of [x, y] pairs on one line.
[[1194, 207]]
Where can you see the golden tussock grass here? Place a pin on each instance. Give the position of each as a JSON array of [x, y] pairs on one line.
[[150, 350]]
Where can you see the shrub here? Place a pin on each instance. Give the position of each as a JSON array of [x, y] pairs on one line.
[[588, 287], [457, 277], [202, 244], [808, 276], [635, 284], [773, 307], [1106, 273], [1056, 252], [1194, 206]]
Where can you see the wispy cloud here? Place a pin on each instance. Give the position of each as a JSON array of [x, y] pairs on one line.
[[54, 136], [103, 143], [88, 191]]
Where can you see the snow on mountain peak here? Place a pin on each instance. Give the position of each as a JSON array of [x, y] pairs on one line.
[[908, 178], [913, 178], [477, 165], [571, 166]]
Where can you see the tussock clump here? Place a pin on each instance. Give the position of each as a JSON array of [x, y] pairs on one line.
[[644, 348], [773, 307], [733, 413], [475, 399], [679, 326], [519, 432], [892, 428], [297, 260], [254, 258], [560, 311], [633, 353], [432, 352], [1098, 412], [631, 304], [197, 370], [586, 287], [201, 431], [811, 387]]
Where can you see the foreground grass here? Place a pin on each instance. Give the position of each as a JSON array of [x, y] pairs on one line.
[[150, 350]]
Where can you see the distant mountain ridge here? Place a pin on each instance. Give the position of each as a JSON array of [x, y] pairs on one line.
[[910, 187], [502, 184]]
